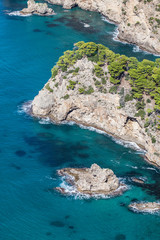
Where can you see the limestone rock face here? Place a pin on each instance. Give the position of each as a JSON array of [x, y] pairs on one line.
[[37, 8], [99, 110], [149, 207], [93, 180], [138, 22]]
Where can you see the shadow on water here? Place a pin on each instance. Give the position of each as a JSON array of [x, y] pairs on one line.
[[54, 152], [75, 23], [120, 237]]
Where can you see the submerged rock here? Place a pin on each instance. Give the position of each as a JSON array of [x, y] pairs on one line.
[[37, 9], [93, 181], [148, 207], [138, 180]]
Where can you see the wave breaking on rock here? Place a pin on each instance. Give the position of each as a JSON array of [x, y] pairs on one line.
[[94, 182]]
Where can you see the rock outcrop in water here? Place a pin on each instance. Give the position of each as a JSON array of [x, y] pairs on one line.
[[37, 9], [146, 207], [92, 181], [92, 86], [138, 21]]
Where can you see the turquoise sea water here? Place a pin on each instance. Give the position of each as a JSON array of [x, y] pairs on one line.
[[32, 151]]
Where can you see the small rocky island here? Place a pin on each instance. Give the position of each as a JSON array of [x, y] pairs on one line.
[[41, 9], [146, 207], [92, 181]]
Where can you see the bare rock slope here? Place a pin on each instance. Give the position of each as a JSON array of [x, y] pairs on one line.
[[138, 20]]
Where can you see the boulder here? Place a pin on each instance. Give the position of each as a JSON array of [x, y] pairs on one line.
[[148, 207], [37, 9]]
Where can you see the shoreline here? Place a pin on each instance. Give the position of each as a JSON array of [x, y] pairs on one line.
[[28, 110], [107, 19], [111, 21]]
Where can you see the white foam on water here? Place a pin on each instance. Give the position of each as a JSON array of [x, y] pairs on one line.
[[86, 25], [71, 190], [150, 168], [17, 13], [25, 108], [121, 142], [128, 144], [136, 49], [70, 123], [106, 20], [134, 167], [92, 129], [45, 121]]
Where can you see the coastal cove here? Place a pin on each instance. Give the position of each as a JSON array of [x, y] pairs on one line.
[[32, 150]]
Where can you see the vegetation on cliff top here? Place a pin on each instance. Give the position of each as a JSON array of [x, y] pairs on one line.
[[144, 77]]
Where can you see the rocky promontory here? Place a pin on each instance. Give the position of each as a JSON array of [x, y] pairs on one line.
[[138, 21], [37, 9], [145, 207], [93, 86], [92, 181]]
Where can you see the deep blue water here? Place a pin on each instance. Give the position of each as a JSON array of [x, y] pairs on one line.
[[31, 152]]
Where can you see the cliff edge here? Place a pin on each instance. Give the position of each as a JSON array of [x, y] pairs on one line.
[[138, 20], [94, 86]]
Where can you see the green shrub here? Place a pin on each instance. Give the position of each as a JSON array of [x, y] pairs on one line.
[[147, 123], [54, 71], [76, 70], [89, 90], [148, 100], [48, 87], [140, 105], [153, 139], [128, 98], [66, 97], [103, 81], [81, 90], [149, 111], [97, 83], [113, 89], [141, 113], [71, 85], [98, 71]]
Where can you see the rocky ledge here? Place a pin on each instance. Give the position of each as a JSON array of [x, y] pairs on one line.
[[138, 21], [37, 9], [95, 87], [146, 207], [92, 181]]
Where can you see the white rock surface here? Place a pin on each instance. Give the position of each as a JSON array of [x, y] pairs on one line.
[[93, 180], [37, 9]]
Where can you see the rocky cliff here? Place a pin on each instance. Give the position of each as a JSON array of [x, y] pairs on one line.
[[82, 91], [138, 20]]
